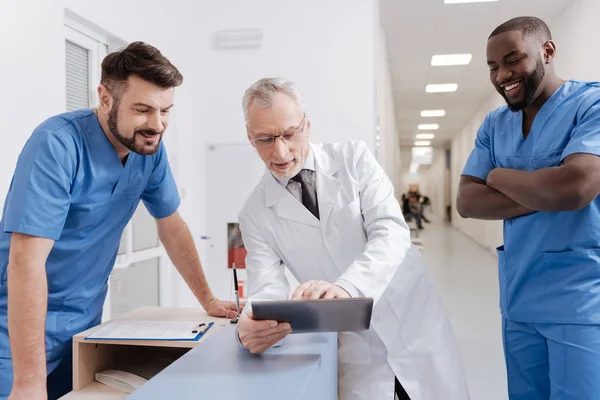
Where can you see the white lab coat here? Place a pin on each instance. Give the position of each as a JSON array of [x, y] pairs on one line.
[[361, 238]]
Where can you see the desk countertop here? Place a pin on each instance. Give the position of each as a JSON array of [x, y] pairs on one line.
[[305, 366]]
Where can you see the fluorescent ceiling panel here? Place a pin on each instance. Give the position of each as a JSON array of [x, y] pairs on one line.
[[422, 143], [441, 88], [433, 113], [428, 127], [467, 1], [444, 60], [425, 136]]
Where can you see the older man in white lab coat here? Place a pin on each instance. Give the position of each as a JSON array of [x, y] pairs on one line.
[[328, 213]]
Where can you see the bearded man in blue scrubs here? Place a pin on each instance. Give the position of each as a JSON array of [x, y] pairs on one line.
[[535, 165], [77, 182]]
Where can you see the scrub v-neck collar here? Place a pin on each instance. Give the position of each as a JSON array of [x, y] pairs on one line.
[[526, 146], [110, 158]]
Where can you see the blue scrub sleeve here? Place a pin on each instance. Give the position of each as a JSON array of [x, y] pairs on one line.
[[39, 197], [161, 196], [585, 137], [480, 161]]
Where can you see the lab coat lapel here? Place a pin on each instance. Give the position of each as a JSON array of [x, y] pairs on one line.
[[328, 185], [285, 204]]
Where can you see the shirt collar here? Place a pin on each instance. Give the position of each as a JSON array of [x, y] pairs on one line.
[[309, 163]]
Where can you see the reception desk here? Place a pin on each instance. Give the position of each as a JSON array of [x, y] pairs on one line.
[[304, 367]]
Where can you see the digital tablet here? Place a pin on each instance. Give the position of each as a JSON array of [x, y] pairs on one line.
[[321, 315]]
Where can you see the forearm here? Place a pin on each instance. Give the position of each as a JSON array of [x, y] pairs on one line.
[[479, 201], [27, 304], [548, 189], [181, 249], [373, 269]]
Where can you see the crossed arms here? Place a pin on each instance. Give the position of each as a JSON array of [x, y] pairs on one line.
[[508, 193]]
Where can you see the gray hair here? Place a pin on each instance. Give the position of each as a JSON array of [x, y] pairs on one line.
[[261, 93]]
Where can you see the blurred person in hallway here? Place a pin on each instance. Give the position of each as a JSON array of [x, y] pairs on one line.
[[425, 202], [76, 185], [535, 165], [412, 209], [328, 213]]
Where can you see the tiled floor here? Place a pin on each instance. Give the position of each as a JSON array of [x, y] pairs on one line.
[[466, 277]]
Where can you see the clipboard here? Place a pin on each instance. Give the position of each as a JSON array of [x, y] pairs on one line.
[[150, 330]]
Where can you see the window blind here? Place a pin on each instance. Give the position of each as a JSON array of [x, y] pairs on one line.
[[77, 76]]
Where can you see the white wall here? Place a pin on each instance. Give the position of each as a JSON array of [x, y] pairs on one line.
[[389, 149], [327, 46], [575, 33], [33, 75], [437, 177]]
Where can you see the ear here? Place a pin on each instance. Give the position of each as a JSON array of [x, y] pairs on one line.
[[105, 99], [549, 51]]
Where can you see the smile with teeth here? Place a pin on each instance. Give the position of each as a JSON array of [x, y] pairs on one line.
[[512, 86]]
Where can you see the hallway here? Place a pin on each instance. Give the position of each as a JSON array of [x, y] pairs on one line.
[[466, 277]]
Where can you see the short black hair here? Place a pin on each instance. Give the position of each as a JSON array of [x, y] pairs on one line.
[[529, 26]]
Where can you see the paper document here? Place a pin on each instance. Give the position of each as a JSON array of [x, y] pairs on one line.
[[150, 330], [120, 380]]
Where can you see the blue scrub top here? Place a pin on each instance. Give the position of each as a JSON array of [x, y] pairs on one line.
[[549, 266], [70, 186]]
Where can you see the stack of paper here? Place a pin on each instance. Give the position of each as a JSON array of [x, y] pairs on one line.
[[132, 374], [120, 380]]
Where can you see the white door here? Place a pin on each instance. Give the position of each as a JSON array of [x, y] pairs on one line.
[[233, 172]]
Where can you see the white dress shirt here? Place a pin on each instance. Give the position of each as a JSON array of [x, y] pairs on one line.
[[296, 190]]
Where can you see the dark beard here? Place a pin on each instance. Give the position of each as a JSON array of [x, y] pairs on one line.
[[130, 143], [531, 85]]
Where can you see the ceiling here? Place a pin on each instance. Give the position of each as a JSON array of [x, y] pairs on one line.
[[417, 29]]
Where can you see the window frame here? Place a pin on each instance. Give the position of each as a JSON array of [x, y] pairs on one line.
[[97, 48]]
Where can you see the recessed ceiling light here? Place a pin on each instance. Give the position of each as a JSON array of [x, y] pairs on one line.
[[451, 59], [425, 136], [422, 143], [467, 1], [428, 127], [441, 88], [433, 113]]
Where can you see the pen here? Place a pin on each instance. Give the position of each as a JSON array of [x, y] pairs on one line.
[[237, 297]]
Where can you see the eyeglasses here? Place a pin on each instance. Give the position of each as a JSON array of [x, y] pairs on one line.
[[290, 136]]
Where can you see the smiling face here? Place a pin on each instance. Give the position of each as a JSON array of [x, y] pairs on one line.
[[517, 67], [280, 135], [138, 117]]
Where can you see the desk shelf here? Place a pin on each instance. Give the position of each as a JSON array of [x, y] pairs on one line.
[[92, 356]]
